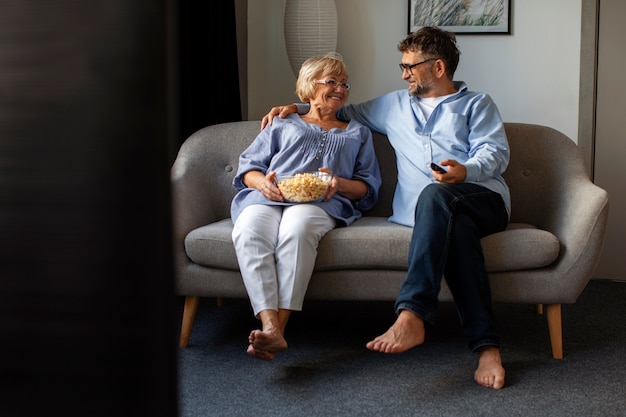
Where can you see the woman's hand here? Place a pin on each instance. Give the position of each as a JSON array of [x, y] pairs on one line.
[[351, 189], [264, 183], [332, 186]]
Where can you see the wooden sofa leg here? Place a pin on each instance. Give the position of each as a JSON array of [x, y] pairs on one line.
[[555, 328], [189, 315], [539, 309]]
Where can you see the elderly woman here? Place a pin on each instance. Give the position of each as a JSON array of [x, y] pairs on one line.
[[275, 240]]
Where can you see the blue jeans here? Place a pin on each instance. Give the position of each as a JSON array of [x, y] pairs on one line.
[[450, 220]]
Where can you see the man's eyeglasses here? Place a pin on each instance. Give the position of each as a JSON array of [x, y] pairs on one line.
[[409, 67], [334, 84]]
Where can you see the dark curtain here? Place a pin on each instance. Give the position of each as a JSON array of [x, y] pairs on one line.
[[208, 70], [88, 316]]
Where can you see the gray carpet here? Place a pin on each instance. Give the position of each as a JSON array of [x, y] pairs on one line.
[[327, 371]]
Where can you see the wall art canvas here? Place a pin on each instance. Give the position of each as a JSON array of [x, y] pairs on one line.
[[461, 16]]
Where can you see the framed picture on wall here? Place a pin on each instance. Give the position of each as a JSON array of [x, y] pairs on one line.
[[461, 16]]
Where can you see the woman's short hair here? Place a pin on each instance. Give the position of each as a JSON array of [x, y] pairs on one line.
[[316, 68]]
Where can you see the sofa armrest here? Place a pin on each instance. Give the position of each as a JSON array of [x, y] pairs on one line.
[[579, 221], [201, 178], [551, 189]]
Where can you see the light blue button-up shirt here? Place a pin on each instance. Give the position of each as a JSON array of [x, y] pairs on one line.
[[466, 127], [292, 145]]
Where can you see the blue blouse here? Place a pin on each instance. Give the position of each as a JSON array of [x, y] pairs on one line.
[[292, 145]]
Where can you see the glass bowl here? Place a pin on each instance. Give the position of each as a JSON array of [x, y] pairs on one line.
[[304, 187]]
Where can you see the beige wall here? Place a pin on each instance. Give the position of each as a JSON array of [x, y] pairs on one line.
[[532, 74], [544, 72]]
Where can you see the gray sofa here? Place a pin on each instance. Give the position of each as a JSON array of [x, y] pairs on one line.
[[545, 258]]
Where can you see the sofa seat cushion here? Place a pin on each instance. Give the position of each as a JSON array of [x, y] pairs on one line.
[[368, 243], [520, 247], [212, 245], [376, 243]]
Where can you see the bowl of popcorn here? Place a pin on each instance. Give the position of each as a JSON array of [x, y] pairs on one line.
[[304, 187]]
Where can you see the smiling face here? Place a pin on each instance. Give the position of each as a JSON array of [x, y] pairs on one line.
[[330, 92], [315, 81], [421, 79]]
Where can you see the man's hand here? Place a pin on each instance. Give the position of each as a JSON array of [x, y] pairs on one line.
[[280, 111], [456, 172]]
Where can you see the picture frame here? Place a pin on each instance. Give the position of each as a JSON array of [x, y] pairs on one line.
[[461, 16]]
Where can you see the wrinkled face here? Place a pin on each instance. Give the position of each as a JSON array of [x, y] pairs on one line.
[[331, 91], [420, 77]]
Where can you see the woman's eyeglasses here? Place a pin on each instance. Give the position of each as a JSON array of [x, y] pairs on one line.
[[334, 84]]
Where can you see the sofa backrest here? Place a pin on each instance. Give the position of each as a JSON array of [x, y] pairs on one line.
[[543, 161], [544, 164], [208, 161]]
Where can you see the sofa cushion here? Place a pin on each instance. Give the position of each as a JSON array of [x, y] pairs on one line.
[[376, 243], [521, 246], [368, 243], [212, 245]]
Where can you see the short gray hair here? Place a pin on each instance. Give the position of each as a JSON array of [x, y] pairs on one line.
[[316, 68]]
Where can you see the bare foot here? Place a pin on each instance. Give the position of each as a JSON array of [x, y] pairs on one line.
[[490, 372], [407, 332], [270, 340], [260, 354]]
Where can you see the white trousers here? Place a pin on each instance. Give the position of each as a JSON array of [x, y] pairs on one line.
[[276, 249]]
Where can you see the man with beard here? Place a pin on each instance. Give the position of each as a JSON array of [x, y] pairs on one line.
[[441, 123]]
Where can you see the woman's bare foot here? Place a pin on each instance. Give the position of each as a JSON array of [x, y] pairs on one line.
[[270, 340], [407, 332], [266, 343], [260, 354], [490, 372]]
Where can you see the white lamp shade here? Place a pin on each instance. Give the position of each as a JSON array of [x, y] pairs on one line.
[[310, 30]]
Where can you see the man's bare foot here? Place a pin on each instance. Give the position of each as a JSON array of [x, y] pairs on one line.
[[490, 372], [270, 340], [264, 355], [407, 332]]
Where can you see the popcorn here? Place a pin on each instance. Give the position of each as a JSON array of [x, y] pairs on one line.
[[304, 187]]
